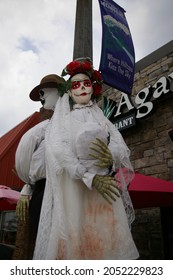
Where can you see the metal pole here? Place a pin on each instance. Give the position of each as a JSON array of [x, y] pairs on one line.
[[83, 30]]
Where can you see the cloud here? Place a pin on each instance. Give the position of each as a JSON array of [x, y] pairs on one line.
[[150, 24], [26, 44], [37, 38]]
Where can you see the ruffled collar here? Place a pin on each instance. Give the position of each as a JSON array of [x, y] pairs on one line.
[[79, 106]]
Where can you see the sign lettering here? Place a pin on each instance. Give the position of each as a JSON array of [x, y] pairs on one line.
[[143, 103], [144, 98]]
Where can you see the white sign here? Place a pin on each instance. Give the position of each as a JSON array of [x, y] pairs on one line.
[[144, 98]]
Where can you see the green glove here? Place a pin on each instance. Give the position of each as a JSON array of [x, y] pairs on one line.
[[102, 153], [106, 186], [22, 208]]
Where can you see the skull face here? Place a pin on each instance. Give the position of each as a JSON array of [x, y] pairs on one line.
[[49, 97], [81, 89]]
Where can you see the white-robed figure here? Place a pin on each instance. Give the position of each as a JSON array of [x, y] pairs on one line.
[[83, 215]]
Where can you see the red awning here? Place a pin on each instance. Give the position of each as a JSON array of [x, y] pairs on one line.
[[147, 191]]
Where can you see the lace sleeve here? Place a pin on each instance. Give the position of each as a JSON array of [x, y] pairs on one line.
[[123, 167]]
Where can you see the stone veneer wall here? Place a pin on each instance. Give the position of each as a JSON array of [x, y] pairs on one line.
[[152, 155], [151, 147]]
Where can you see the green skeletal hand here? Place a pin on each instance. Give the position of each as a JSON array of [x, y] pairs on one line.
[[101, 153], [106, 186], [22, 208]]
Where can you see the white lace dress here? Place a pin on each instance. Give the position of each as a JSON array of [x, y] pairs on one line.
[[76, 222]]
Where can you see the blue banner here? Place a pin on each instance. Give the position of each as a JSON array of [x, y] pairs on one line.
[[117, 62]]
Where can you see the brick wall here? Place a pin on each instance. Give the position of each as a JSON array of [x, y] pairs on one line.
[[149, 142], [147, 234]]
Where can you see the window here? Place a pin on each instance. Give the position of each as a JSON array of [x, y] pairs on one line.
[[8, 227]]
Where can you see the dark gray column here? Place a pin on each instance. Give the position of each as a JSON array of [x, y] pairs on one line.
[[83, 30]]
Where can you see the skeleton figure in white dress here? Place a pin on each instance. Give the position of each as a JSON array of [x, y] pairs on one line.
[[83, 215]]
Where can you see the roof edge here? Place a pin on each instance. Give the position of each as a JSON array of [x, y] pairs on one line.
[[154, 56]]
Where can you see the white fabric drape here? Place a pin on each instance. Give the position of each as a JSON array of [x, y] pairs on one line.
[[30, 156], [76, 222]]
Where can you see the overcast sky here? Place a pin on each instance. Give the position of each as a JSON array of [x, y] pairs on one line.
[[36, 39]]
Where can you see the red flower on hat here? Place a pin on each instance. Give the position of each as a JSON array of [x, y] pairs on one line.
[[76, 67], [86, 66], [73, 67], [97, 76], [97, 82], [97, 89]]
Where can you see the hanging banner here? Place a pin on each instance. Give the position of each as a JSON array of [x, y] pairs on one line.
[[117, 61]]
